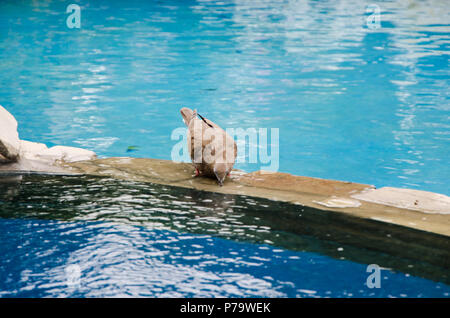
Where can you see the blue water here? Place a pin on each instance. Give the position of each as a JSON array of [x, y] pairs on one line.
[[126, 261], [98, 237], [351, 103]]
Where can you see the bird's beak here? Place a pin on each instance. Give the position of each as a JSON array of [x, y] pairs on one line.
[[219, 179]]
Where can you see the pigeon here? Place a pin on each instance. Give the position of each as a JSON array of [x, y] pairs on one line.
[[213, 152]]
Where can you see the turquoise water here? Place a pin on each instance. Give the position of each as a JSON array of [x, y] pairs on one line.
[[351, 103]]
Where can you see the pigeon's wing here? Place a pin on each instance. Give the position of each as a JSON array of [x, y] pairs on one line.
[[206, 140], [196, 141], [231, 150]]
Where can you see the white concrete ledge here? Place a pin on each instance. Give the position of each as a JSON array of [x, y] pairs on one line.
[[423, 201]]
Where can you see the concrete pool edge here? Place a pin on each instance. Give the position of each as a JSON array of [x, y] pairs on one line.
[[415, 209], [388, 205], [420, 210]]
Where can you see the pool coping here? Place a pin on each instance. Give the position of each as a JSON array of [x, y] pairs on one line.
[[410, 241], [420, 210]]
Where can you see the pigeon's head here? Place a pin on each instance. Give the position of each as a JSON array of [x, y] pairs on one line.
[[221, 170]]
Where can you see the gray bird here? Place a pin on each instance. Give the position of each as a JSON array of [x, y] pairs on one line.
[[213, 152]]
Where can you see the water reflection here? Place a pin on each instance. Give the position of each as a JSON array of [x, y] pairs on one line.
[[237, 218]]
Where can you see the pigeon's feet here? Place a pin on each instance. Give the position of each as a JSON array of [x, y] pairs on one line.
[[197, 172]]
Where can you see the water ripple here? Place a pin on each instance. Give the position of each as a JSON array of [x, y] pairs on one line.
[[99, 237]]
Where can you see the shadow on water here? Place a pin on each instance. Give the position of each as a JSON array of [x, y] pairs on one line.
[[240, 218]]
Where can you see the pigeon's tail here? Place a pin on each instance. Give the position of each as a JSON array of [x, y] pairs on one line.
[[187, 115], [204, 120]]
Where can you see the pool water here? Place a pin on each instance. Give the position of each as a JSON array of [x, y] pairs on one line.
[[99, 237], [351, 103]]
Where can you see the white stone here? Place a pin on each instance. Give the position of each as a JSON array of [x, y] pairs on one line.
[[66, 154], [31, 150], [9, 137], [417, 200]]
